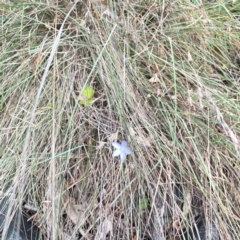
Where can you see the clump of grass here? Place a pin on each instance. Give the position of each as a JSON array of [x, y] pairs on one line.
[[166, 79]]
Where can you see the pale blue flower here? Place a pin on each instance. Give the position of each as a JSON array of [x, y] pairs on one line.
[[122, 150]]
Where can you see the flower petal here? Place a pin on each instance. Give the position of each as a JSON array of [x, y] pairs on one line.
[[116, 153], [123, 156], [127, 150], [124, 144], [116, 145]]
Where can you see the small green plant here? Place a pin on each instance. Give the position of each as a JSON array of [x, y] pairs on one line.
[[86, 99], [144, 202]]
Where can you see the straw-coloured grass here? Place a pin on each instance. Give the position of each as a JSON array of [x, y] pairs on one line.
[[166, 80]]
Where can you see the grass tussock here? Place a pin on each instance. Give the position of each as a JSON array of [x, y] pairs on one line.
[[166, 79]]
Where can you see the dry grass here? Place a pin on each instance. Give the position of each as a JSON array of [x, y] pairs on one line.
[[166, 79]]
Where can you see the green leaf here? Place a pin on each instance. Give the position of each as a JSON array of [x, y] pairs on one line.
[[88, 92], [144, 203], [86, 99], [86, 103]]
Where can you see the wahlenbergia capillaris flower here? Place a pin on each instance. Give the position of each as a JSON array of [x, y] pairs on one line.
[[122, 150]]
